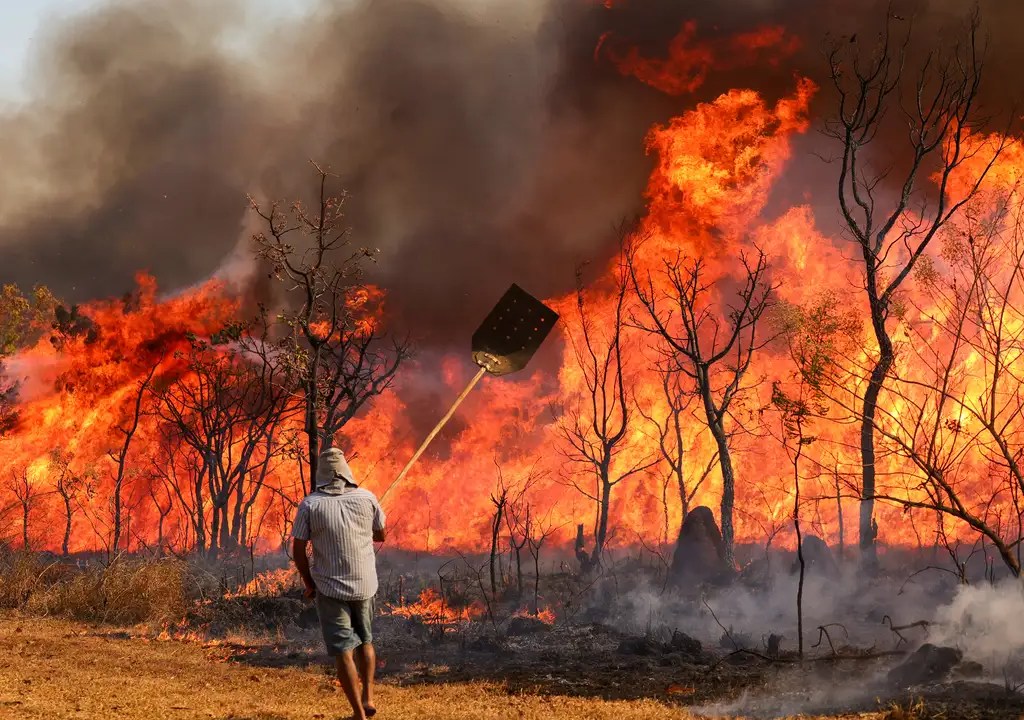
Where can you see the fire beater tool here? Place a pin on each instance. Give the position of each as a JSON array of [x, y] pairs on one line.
[[504, 343]]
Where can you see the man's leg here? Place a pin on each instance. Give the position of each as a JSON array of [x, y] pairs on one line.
[[336, 626], [366, 662], [366, 657], [349, 679]]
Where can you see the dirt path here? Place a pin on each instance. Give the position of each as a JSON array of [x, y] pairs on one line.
[[55, 669]]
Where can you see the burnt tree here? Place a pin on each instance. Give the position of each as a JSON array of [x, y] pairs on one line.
[[938, 114], [596, 421], [960, 399], [714, 352], [119, 456], [27, 494], [672, 441], [225, 408], [67, 485]]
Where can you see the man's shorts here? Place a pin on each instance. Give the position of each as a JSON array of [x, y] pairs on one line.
[[345, 624]]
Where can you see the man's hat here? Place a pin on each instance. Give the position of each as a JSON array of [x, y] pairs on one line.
[[332, 467]]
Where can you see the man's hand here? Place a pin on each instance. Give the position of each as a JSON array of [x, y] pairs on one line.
[[302, 565]]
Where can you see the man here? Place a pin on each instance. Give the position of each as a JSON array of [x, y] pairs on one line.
[[342, 521]]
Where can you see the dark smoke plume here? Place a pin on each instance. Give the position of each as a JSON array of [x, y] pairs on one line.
[[481, 142]]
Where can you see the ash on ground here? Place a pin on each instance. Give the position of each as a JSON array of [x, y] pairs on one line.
[[724, 647]]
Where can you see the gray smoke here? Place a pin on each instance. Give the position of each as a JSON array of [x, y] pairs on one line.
[[480, 141]]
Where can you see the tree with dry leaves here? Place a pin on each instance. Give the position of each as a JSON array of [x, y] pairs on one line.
[[328, 327], [957, 415], [23, 320]]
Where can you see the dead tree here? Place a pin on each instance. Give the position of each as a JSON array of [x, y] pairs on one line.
[[328, 328], [939, 118], [519, 519], [597, 419], [499, 498], [224, 408], [795, 411], [509, 500], [672, 442], [120, 456], [27, 495], [67, 485], [181, 469], [713, 352], [163, 500], [540, 530]]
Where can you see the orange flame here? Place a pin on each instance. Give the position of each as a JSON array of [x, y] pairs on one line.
[[716, 165], [431, 609]]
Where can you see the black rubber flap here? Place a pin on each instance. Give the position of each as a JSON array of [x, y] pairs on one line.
[[512, 332]]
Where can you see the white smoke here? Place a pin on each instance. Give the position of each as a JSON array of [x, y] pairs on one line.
[[985, 622]]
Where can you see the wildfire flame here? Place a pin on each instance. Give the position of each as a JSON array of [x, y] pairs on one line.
[[269, 583], [431, 609], [716, 165]]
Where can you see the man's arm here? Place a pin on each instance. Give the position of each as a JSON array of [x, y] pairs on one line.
[[379, 518], [302, 565], [300, 538]]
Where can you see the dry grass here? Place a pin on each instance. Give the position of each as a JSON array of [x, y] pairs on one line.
[[56, 669], [124, 592]]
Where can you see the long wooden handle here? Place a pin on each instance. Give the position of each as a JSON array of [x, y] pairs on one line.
[[436, 430]]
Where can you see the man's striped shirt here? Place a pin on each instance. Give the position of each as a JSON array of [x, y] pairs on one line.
[[340, 522]]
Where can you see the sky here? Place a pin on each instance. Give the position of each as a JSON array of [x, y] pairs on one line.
[[20, 23]]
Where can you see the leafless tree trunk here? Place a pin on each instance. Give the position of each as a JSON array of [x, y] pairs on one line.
[[499, 499], [163, 500], [120, 457], [519, 522], [941, 115], [795, 413], [676, 309], [945, 424], [512, 510], [672, 441], [27, 495], [67, 486], [224, 409], [539, 533], [596, 422]]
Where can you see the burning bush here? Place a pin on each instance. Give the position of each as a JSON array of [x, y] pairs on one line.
[[268, 584], [432, 609]]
